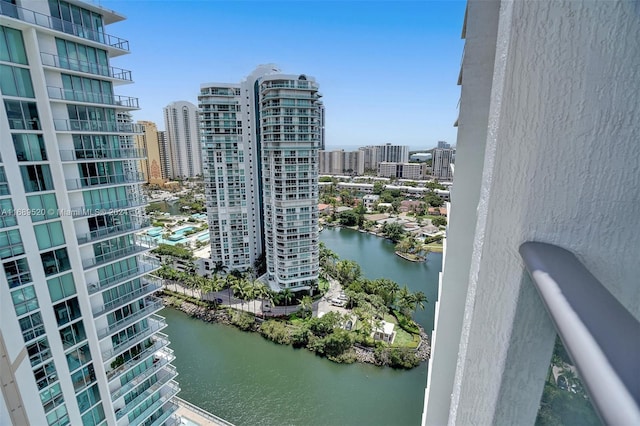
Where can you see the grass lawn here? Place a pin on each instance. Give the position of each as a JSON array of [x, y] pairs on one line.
[[434, 247], [404, 339]]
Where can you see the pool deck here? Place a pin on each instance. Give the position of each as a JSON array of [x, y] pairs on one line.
[[197, 415]]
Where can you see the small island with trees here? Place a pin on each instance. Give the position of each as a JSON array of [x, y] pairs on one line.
[[350, 332]]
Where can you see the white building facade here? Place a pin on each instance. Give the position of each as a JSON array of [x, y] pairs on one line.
[[493, 337], [183, 139], [261, 141], [441, 166], [338, 162], [79, 332]]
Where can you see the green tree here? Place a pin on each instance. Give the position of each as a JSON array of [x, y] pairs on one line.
[[419, 298], [286, 297], [439, 221], [393, 230], [347, 271], [348, 218], [378, 187], [306, 304]]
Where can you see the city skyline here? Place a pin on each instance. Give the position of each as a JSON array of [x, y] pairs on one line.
[[388, 69]]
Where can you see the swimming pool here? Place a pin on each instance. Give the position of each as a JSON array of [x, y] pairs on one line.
[[204, 236], [155, 231], [182, 231]]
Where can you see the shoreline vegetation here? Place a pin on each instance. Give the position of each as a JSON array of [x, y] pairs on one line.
[[340, 349], [345, 317]]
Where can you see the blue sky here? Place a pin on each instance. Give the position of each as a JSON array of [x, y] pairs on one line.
[[387, 70]]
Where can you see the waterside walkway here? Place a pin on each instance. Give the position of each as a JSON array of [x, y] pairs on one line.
[[192, 415]]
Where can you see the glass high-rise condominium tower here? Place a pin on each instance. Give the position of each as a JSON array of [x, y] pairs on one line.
[[260, 152], [79, 336]]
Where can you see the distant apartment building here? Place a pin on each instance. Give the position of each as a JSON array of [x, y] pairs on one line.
[[374, 155], [181, 126], [338, 162], [80, 338], [441, 164], [416, 171], [149, 142], [261, 139], [444, 145], [370, 157], [165, 154]]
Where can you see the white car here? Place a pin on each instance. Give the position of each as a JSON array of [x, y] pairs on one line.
[[338, 302], [343, 296]]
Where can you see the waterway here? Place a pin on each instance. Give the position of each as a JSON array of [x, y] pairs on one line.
[[250, 381]]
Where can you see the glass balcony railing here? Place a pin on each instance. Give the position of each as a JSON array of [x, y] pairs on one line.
[[73, 125], [121, 102], [111, 231], [159, 361], [151, 305], [167, 392], [159, 345], [167, 411], [95, 181], [52, 23], [155, 324], [140, 244], [107, 208], [102, 154], [164, 378], [149, 285], [51, 60], [146, 265]]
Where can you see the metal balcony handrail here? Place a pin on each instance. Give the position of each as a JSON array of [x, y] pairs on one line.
[[67, 27], [51, 60], [600, 335], [92, 97]]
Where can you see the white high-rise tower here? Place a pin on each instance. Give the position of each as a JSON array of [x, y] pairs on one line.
[[181, 124], [260, 147], [80, 340]]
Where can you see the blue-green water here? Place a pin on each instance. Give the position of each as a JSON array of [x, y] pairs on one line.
[[251, 381]]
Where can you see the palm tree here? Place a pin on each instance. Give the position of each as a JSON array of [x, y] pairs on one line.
[[306, 304], [420, 299], [286, 296], [240, 291], [261, 292]]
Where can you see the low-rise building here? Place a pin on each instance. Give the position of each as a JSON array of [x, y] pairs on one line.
[[385, 332], [369, 201], [402, 170]]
